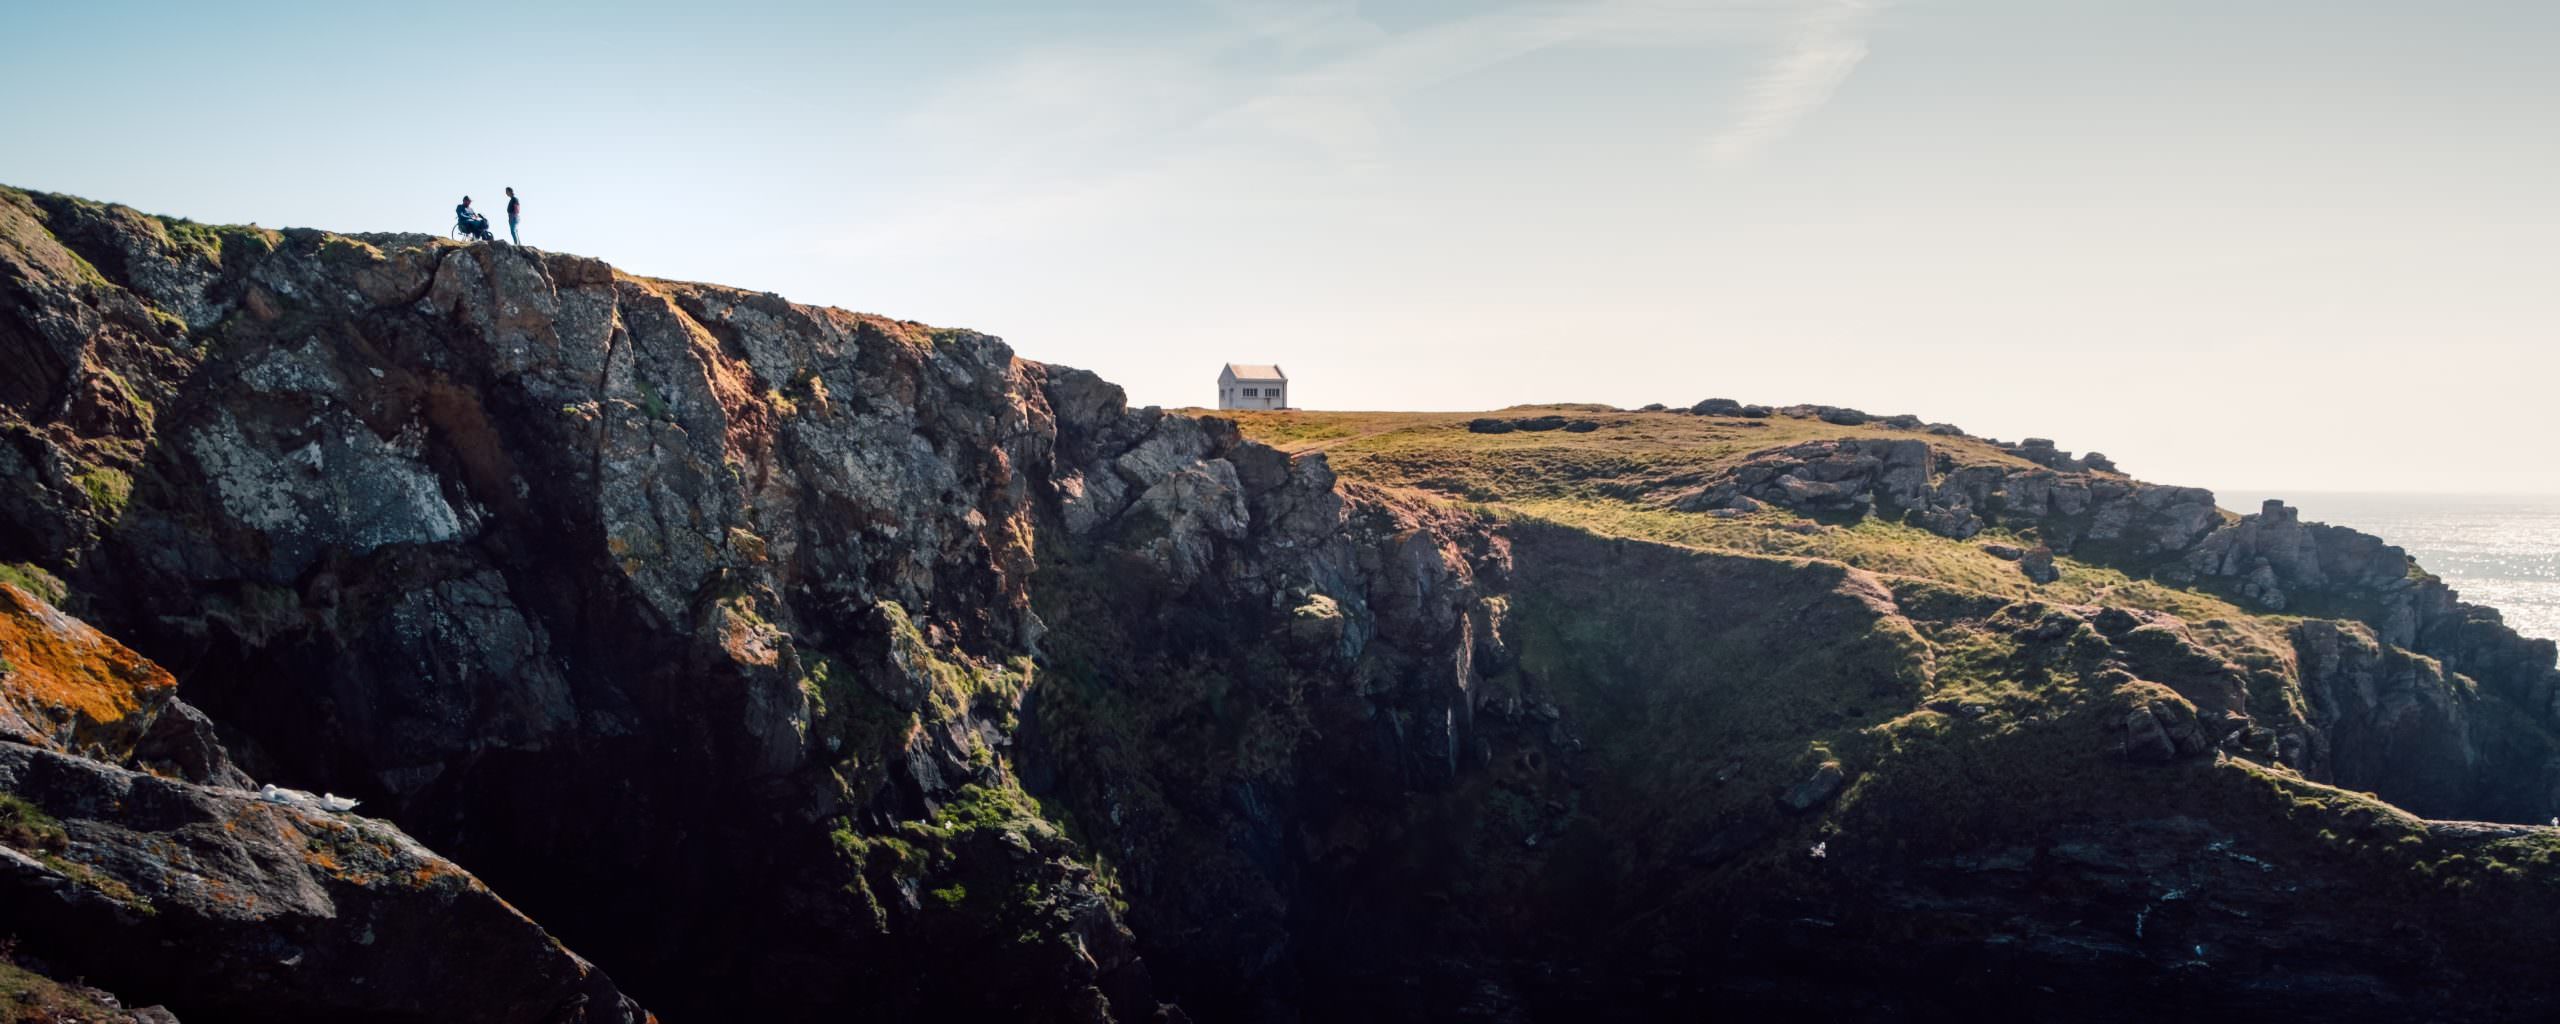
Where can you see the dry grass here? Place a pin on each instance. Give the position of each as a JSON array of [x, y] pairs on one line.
[[30, 998], [1435, 450], [1615, 480]]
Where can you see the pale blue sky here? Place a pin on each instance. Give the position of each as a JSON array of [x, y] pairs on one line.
[[2245, 244]]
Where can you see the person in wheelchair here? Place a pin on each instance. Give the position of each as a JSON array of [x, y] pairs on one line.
[[471, 223]]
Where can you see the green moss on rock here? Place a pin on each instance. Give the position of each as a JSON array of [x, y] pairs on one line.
[[34, 580], [108, 489]]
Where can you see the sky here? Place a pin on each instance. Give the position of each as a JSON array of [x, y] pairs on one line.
[[2249, 244]]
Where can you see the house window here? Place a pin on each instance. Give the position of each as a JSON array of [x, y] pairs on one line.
[[1252, 392]]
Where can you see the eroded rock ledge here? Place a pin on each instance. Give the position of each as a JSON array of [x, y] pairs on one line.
[[134, 855]]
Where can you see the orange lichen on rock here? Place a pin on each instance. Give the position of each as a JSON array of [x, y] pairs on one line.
[[68, 686], [431, 872]]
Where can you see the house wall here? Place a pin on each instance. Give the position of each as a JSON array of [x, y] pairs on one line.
[[1268, 394]]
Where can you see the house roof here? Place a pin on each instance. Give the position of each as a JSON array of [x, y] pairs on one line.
[[1255, 371]]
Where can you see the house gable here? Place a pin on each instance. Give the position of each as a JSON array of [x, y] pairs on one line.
[[1252, 386]]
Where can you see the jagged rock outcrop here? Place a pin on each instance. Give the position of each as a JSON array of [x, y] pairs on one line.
[[2381, 716], [67, 688], [2275, 561], [283, 913], [125, 830], [1908, 478], [2268, 560], [793, 663], [476, 533], [2272, 556]]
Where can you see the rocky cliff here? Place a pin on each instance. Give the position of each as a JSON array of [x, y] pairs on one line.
[[135, 854], [2393, 656], [791, 663]]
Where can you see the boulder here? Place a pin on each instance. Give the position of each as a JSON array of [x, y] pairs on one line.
[[1816, 789], [1317, 629], [1805, 493], [1705, 498], [2159, 726], [286, 912], [1489, 425], [2037, 564], [1956, 521], [68, 688], [1717, 407], [2041, 451]]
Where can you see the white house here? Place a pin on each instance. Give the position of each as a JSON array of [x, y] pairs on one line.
[[1250, 386]]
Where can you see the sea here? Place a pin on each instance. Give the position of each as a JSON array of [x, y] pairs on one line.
[[2498, 550]]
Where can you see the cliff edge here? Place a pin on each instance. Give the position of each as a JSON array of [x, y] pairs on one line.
[[789, 663]]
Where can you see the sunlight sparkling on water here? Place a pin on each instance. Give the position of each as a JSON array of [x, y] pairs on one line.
[[2503, 552]]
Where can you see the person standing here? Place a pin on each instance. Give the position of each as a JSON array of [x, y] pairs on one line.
[[515, 209]]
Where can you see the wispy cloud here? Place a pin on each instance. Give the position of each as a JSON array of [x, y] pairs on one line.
[[1063, 134], [1346, 107], [1301, 25], [1826, 49], [1073, 133]]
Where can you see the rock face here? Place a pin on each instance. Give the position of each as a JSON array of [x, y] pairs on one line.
[[2383, 717], [800, 664], [2269, 560], [69, 689], [1908, 479], [475, 534], [286, 912]]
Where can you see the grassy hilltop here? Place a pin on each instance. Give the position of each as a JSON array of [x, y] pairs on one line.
[[1615, 481], [1968, 715]]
